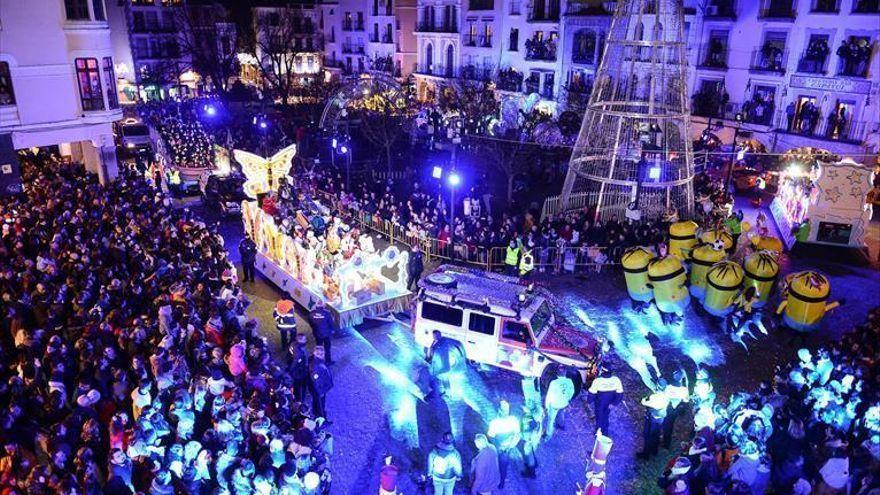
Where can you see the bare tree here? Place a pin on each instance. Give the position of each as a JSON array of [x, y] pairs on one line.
[[474, 100], [383, 115], [208, 42], [276, 48]]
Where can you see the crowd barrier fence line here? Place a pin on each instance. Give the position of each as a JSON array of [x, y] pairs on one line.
[[553, 260]]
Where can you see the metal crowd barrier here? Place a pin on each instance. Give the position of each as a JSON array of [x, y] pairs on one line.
[[550, 260]]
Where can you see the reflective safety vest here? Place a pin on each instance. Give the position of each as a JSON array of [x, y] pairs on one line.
[[512, 256], [526, 263]]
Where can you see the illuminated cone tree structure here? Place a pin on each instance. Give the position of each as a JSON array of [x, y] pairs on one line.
[[633, 149]]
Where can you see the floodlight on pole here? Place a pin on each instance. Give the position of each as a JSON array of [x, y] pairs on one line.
[[437, 172], [454, 179]]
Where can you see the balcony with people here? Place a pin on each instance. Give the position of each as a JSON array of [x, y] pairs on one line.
[[854, 56], [510, 79], [770, 58], [541, 49], [815, 58], [806, 119], [474, 72], [710, 101], [715, 57], [584, 49], [759, 109], [532, 83], [385, 65]]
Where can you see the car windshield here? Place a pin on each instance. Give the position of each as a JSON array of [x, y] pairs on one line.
[[541, 320], [135, 130]]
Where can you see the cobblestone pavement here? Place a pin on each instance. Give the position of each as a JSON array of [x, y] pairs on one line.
[[378, 362]]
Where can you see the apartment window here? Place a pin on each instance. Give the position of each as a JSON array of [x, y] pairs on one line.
[[89, 78], [7, 96], [77, 10], [98, 10], [513, 43], [110, 78]]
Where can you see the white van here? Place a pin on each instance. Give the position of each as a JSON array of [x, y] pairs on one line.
[[501, 321]]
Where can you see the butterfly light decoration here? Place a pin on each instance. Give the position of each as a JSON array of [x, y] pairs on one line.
[[264, 174]]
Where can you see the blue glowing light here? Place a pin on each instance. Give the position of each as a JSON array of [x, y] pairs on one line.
[[334, 143], [210, 110], [343, 149], [454, 179]]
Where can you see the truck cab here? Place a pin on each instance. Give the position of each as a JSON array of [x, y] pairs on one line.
[[499, 321]]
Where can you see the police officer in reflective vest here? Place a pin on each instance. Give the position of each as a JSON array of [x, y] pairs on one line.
[[605, 391], [527, 262], [511, 257], [285, 321], [655, 412]]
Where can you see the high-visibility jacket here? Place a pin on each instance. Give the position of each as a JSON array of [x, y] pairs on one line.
[[511, 257], [526, 263]]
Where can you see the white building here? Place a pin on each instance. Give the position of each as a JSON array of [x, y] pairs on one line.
[[57, 83], [294, 26], [754, 51], [369, 35]]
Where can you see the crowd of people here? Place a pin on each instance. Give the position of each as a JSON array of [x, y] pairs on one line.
[[814, 429], [127, 362], [559, 243]]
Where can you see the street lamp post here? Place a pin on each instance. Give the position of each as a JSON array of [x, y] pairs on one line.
[[454, 180], [345, 151], [739, 118]]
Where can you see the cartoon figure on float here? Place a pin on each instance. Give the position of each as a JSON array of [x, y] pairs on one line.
[[668, 280], [722, 286], [761, 270], [805, 303], [635, 262], [682, 238], [702, 259]]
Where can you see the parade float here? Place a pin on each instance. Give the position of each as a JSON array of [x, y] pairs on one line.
[[825, 203], [319, 257]]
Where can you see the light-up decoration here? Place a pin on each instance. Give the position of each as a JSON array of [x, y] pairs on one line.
[[346, 278], [264, 174]]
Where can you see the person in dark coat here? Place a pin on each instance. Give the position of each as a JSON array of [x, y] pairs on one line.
[[415, 266], [323, 328], [285, 321], [298, 366], [248, 251], [320, 382]]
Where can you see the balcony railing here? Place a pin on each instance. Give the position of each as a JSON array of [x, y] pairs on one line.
[[532, 86], [547, 93], [509, 80], [543, 16], [346, 26], [769, 61], [827, 130], [514, 7], [486, 41], [826, 7], [359, 49], [374, 38], [540, 50], [714, 62], [427, 27], [812, 65], [852, 68], [387, 39], [778, 12], [359, 26], [470, 40], [476, 73], [436, 70]]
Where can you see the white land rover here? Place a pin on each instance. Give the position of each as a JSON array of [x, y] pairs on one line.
[[501, 321]]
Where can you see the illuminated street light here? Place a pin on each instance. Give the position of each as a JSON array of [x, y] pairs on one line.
[[437, 172], [454, 179]]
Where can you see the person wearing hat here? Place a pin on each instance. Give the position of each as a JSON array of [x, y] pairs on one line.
[[444, 466], [320, 382], [676, 480], [656, 406], [323, 328], [605, 391], [285, 321], [298, 366], [527, 261]]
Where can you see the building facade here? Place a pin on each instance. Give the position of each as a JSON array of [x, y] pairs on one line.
[[289, 41], [57, 80], [798, 72]]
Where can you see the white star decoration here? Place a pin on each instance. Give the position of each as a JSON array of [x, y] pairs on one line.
[[832, 195]]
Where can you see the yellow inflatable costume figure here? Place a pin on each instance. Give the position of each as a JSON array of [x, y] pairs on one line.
[[668, 280], [761, 271], [722, 286], [635, 271], [682, 238], [805, 304], [702, 260]]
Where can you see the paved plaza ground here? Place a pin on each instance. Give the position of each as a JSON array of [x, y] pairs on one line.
[[373, 413]]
